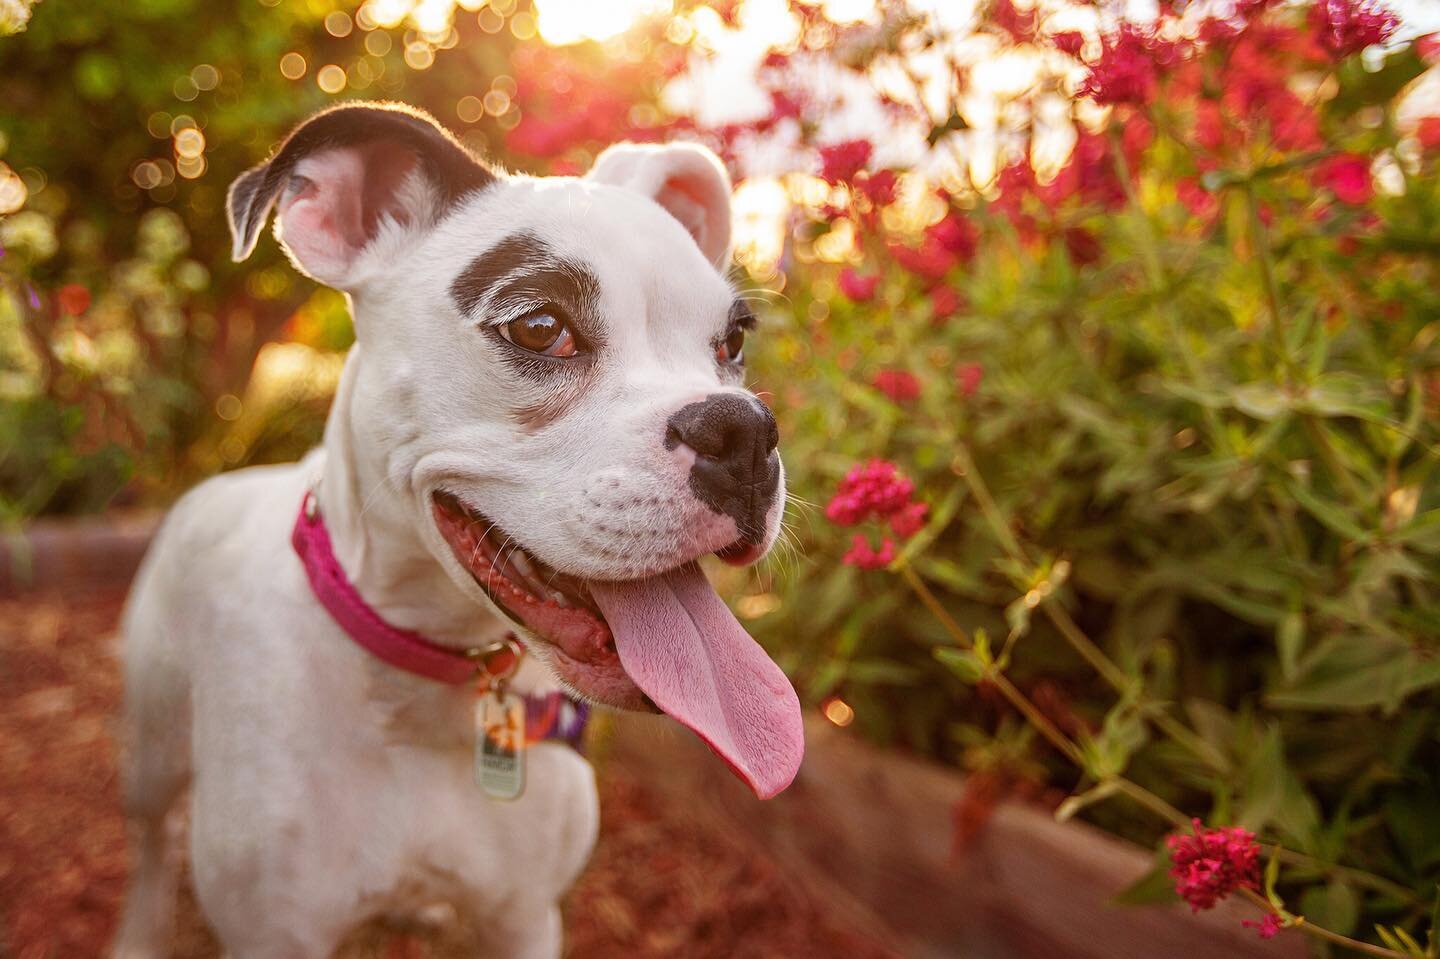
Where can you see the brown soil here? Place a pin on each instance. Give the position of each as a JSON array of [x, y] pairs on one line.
[[661, 883]]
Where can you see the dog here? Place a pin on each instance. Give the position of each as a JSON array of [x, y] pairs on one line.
[[541, 428]]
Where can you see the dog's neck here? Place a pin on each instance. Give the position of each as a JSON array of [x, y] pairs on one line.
[[372, 525]]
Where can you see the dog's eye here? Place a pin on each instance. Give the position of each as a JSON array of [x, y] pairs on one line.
[[732, 348], [541, 332]]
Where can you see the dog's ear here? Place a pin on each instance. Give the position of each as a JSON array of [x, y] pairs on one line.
[[346, 176], [686, 179]]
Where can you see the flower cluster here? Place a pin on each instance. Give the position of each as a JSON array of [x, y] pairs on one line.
[[1126, 71], [876, 489], [840, 162], [901, 386], [1212, 863], [1348, 26]]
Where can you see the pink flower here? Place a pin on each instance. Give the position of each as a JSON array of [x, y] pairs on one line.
[[840, 162], [1019, 24], [944, 303], [955, 234], [1069, 41], [875, 487], [1125, 72], [1427, 131], [860, 289], [1349, 26], [879, 186], [1348, 177], [968, 377], [863, 556], [931, 261], [1265, 927], [909, 520], [900, 385], [1198, 200], [1213, 863]]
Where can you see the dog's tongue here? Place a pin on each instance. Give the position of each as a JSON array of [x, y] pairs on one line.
[[681, 644]]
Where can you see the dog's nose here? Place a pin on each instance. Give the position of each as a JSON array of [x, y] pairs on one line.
[[736, 469]]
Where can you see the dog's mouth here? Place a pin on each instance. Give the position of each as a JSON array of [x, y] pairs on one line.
[[665, 641]]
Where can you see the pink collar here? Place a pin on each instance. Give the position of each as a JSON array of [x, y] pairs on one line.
[[549, 716], [401, 648]]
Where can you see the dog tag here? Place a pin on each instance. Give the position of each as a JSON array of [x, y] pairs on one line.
[[500, 743]]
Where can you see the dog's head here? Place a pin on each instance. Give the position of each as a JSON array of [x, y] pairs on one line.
[[553, 377]]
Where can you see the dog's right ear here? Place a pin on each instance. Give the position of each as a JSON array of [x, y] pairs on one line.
[[348, 177]]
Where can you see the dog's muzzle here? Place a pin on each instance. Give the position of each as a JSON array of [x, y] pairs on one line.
[[737, 469]]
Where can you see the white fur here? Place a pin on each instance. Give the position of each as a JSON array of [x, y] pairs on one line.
[[325, 787]]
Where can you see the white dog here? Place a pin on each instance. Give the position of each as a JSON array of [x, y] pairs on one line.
[[542, 427]]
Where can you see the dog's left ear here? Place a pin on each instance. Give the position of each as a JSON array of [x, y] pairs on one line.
[[344, 178], [687, 179]]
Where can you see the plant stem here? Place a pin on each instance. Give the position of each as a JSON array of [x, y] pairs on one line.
[[1320, 932], [1260, 240], [1139, 794], [1067, 626], [1117, 679]]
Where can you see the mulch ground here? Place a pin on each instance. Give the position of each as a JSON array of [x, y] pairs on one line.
[[661, 882]]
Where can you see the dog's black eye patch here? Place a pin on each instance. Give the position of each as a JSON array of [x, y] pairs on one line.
[[523, 271]]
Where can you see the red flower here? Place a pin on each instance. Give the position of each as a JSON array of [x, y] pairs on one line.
[[73, 299], [840, 162], [1428, 47], [944, 303], [1428, 132], [860, 289], [1125, 72], [902, 386], [929, 262], [1069, 41], [968, 377], [1082, 245], [910, 520], [955, 234], [1349, 26], [1198, 200], [1265, 927], [879, 186], [1019, 24], [875, 487], [1348, 177], [863, 556], [1213, 863]]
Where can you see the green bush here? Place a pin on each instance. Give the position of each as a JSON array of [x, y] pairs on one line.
[[1174, 412]]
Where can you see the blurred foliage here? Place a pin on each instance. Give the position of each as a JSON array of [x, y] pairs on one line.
[[127, 338], [1179, 397]]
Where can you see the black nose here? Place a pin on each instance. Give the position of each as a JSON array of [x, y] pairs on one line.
[[736, 469]]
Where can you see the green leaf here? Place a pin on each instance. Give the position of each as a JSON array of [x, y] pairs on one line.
[[1337, 518], [1264, 789], [1356, 671], [962, 662], [1289, 639], [1361, 87]]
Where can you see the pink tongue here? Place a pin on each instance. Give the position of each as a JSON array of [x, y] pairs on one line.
[[683, 647]]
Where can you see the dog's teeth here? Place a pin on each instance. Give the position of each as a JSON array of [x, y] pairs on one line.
[[521, 562], [559, 598]]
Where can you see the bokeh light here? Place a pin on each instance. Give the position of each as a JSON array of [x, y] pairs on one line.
[[292, 66], [572, 21]]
